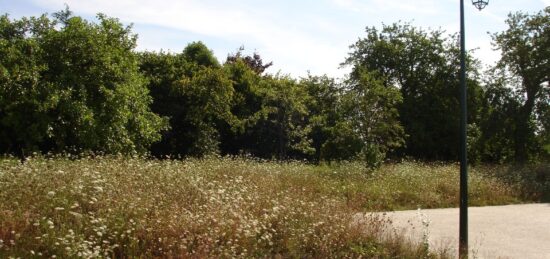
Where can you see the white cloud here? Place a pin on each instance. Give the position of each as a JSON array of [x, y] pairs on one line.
[[182, 15], [312, 40], [377, 6], [351, 5], [297, 49], [420, 7]]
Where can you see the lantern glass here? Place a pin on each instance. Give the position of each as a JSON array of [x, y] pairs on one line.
[[480, 4]]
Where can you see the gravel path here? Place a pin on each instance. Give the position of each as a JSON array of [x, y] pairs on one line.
[[513, 231]]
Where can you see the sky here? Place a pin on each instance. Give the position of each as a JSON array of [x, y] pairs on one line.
[[297, 35]]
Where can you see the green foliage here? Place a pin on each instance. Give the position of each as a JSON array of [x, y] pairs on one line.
[[371, 108], [543, 119], [497, 124], [254, 62], [102, 93], [198, 54], [525, 47], [270, 110], [342, 143], [70, 85], [283, 127], [240, 138], [85, 91], [247, 98], [357, 119], [25, 100], [422, 64], [329, 135], [207, 96], [195, 93], [230, 109]]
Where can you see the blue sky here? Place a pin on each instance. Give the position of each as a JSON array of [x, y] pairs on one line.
[[298, 36]]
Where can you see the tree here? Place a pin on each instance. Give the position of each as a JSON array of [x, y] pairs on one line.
[[200, 55], [497, 124], [342, 143], [282, 130], [423, 65], [162, 70], [269, 110], [372, 111], [85, 91], [543, 117], [196, 94], [24, 98], [246, 108], [324, 114], [207, 96], [102, 94], [525, 48], [254, 62]]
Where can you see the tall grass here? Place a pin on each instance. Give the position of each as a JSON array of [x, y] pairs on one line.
[[412, 185], [531, 182], [134, 207]]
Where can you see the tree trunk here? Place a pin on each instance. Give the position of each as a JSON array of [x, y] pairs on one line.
[[524, 131]]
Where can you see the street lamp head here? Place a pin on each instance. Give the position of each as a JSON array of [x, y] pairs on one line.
[[480, 4]]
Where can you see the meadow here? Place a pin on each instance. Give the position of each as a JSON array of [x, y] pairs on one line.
[[118, 207]]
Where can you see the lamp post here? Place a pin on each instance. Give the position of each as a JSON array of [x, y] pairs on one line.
[[463, 225]]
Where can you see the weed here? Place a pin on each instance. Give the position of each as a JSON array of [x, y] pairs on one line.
[[216, 207]]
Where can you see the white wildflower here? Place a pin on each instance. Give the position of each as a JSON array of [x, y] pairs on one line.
[[76, 214]]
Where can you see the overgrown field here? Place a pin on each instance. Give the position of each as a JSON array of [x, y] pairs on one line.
[[135, 207]]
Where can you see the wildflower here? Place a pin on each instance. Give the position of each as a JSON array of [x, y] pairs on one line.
[[76, 214]]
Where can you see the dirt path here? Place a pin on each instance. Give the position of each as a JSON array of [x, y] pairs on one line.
[[513, 231]]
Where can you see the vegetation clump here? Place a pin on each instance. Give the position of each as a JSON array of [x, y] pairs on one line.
[[218, 207], [75, 87], [72, 85]]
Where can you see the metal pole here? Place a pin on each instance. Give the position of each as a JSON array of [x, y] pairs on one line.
[[463, 235]]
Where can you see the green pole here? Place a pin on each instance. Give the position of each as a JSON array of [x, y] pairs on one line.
[[463, 225]]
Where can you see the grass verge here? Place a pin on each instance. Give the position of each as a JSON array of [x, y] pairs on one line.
[[133, 207]]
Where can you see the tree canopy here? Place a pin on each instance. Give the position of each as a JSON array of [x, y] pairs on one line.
[[68, 84], [72, 85], [525, 61], [423, 66]]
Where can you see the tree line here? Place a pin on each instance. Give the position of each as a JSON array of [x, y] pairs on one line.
[[72, 85]]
